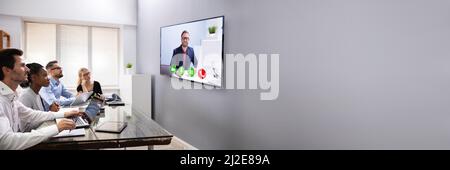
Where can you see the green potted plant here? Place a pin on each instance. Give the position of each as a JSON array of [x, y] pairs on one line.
[[212, 31], [129, 68]]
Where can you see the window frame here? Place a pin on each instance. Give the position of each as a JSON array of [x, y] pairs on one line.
[[90, 54]]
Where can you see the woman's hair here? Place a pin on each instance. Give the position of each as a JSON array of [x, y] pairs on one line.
[[35, 68], [80, 74]]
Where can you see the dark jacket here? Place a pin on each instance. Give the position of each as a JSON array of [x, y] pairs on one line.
[[177, 56]]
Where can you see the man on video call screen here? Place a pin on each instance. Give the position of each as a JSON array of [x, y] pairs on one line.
[[184, 56], [193, 51]]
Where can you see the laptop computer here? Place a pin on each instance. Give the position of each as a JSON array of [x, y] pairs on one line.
[[92, 109], [81, 122], [81, 98]]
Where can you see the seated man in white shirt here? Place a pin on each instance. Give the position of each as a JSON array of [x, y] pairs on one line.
[[17, 120]]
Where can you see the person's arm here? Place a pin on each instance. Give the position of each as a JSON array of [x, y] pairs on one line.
[[12, 140], [174, 52], [67, 98], [19, 141], [66, 92], [16, 140], [48, 96], [31, 119], [66, 101], [173, 59], [195, 59]]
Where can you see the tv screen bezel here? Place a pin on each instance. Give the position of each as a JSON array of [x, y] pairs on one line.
[[223, 49]]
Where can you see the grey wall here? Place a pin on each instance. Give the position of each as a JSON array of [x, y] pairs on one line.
[[354, 74], [128, 47]]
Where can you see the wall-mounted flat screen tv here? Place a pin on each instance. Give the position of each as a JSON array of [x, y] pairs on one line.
[[194, 51]]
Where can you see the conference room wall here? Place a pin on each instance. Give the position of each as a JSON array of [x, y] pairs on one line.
[[354, 74]]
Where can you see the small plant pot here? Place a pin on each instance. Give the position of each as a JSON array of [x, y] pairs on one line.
[[212, 36], [129, 71]]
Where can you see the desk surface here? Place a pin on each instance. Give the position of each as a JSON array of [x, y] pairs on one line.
[[140, 131]]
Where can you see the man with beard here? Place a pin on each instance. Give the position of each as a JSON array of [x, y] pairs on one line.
[[184, 56], [55, 92], [17, 120]]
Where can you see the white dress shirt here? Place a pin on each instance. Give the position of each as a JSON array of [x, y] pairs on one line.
[[30, 99], [17, 120]]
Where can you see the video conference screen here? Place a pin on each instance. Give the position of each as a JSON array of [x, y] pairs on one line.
[[194, 51]]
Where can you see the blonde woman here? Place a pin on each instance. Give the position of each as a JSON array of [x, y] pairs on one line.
[[85, 84]]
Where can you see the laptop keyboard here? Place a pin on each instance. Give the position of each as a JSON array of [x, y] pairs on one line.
[[79, 121]]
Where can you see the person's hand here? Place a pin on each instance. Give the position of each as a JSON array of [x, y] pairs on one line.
[[54, 107], [73, 113], [83, 82], [65, 124], [98, 97]]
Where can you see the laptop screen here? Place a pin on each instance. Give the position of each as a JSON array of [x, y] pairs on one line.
[[92, 109]]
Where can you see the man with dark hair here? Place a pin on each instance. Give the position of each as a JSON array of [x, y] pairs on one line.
[[17, 120], [55, 92], [51, 64], [184, 56], [8, 59]]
